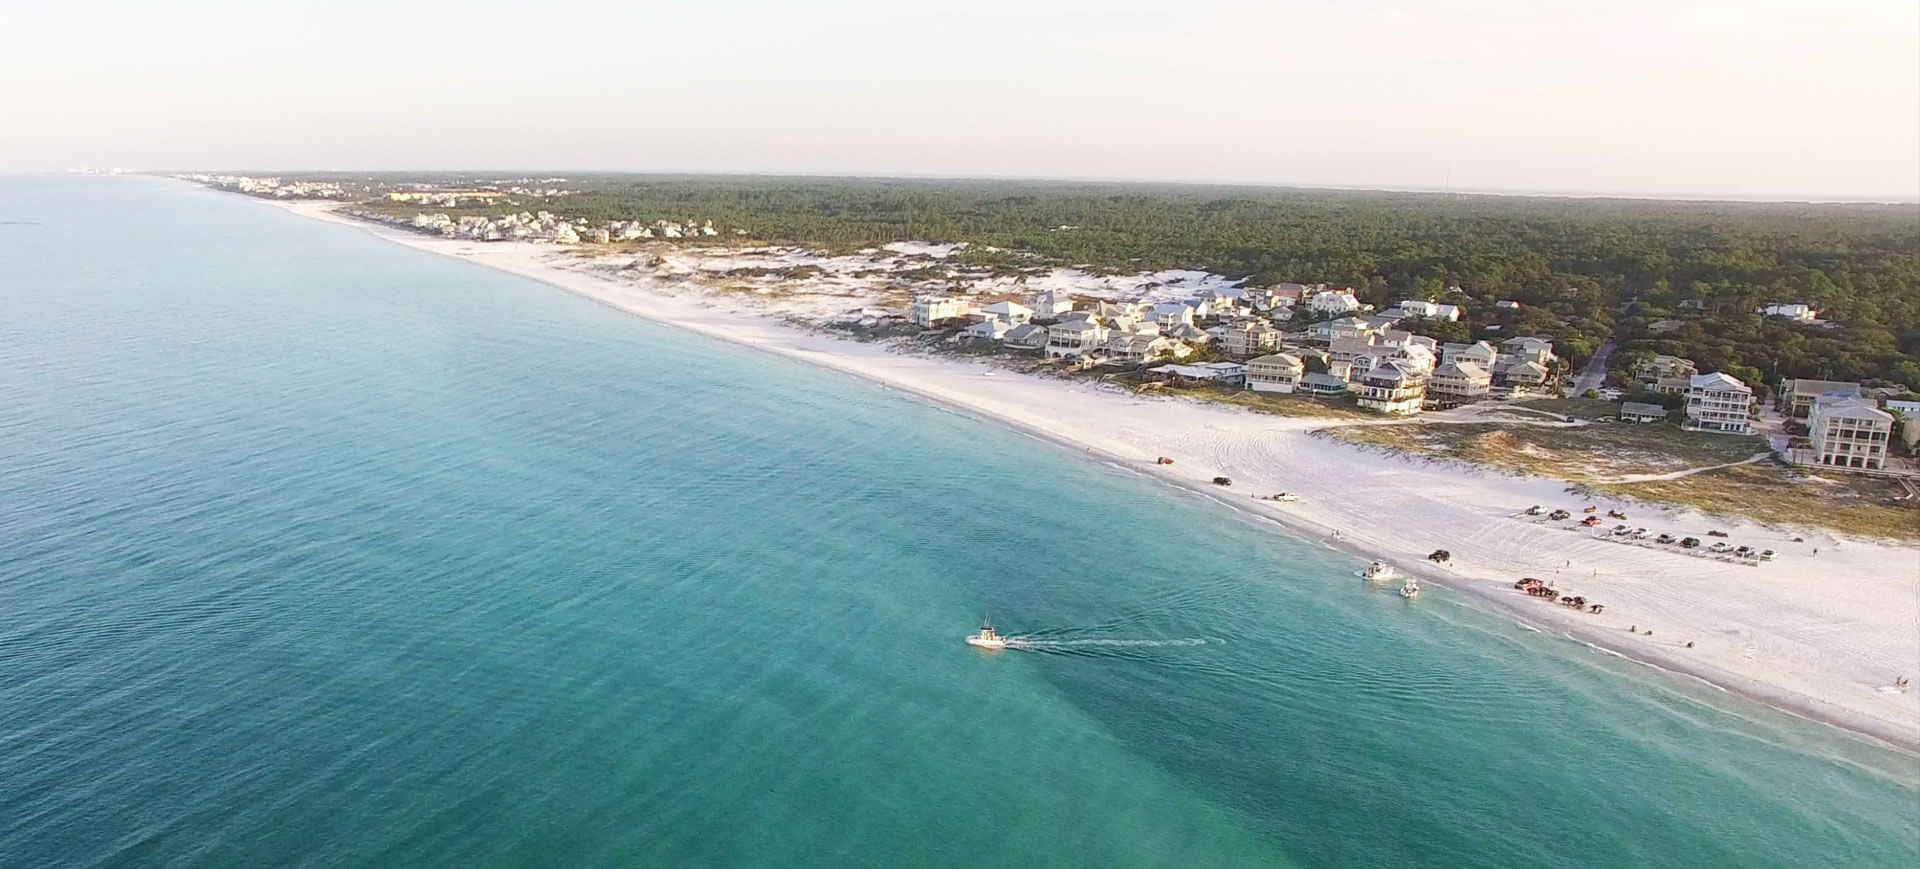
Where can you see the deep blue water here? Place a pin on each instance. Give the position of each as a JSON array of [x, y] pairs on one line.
[[314, 549]]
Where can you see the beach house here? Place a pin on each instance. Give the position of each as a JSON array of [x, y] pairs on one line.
[[1278, 372], [1849, 432], [1171, 314], [1011, 313], [1479, 353], [1330, 302], [1661, 367], [1250, 338], [1637, 411], [1224, 373], [1138, 348], [1719, 402], [987, 330], [1797, 397], [1426, 310], [1322, 384], [929, 311], [1027, 336], [1076, 337], [1393, 388], [1051, 305], [1457, 383], [1793, 311]]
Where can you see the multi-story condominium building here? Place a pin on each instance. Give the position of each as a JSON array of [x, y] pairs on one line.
[[1393, 387], [1250, 338], [926, 311], [1280, 372], [1077, 337], [1457, 383], [1849, 432], [1719, 402]]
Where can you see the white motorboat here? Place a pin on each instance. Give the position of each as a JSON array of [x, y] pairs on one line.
[[987, 638], [1410, 589], [1378, 571]]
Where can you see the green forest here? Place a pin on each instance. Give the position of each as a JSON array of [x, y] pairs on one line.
[[1685, 278]]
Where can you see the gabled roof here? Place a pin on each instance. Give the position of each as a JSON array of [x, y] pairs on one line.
[[1287, 360], [1025, 331], [1467, 369], [1323, 380], [1804, 386], [1717, 381]]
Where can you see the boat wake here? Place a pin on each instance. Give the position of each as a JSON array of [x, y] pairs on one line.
[[1102, 646]]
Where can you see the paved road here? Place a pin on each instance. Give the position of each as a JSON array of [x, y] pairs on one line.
[[1596, 371]]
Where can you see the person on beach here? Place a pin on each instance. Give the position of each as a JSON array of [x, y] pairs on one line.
[[1689, 644]]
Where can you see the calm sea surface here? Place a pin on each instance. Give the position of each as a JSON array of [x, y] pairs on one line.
[[317, 550]]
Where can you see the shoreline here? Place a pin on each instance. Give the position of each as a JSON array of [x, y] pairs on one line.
[[1771, 667]]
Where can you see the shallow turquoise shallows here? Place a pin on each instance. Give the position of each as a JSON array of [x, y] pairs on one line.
[[318, 550]]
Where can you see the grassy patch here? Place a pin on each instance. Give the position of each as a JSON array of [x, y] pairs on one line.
[[1593, 455], [1585, 454], [1278, 404], [1844, 502], [1578, 408]]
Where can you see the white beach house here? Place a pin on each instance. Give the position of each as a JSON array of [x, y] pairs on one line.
[[1428, 310], [1719, 402], [1393, 388], [1076, 337], [1457, 383], [1279, 372], [1333, 302], [1011, 313], [929, 311], [1793, 311], [1849, 432], [1051, 305]]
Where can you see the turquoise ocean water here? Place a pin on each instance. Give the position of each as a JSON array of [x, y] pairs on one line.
[[318, 550]]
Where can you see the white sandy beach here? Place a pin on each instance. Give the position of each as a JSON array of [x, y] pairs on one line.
[[1823, 636]]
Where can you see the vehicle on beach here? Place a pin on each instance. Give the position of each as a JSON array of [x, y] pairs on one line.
[[1768, 555], [1163, 460], [1690, 542], [1639, 534], [988, 638], [1534, 510], [1410, 589], [1558, 515], [1223, 481], [1719, 547], [1440, 556], [1590, 522], [1665, 538], [1716, 533], [1378, 571], [1282, 497]]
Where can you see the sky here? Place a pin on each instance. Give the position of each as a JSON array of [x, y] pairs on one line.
[[1716, 98]]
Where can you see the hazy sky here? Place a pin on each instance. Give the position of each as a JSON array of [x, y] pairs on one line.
[[1725, 97]]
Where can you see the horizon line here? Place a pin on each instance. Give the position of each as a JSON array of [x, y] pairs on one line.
[[1697, 197]]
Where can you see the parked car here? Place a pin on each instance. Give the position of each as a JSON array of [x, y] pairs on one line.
[[1690, 542], [1716, 533], [1744, 552], [1558, 515], [1768, 555], [1640, 533], [1223, 481], [1720, 547], [1664, 538]]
